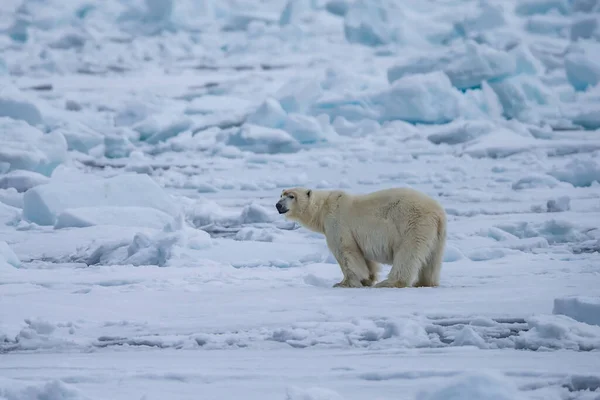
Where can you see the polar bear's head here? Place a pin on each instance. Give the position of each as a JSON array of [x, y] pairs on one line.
[[294, 202]]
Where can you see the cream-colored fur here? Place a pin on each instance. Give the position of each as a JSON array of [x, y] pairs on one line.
[[400, 226]]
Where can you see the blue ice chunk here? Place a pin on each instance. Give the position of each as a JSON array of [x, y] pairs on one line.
[[116, 146], [585, 6], [349, 107], [587, 115], [423, 98], [337, 7], [19, 30], [480, 63], [466, 67], [420, 65], [367, 23], [18, 105], [490, 16], [159, 9], [299, 94], [309, 130], [527, 63], [287, 13], [261, 139], [420, 98], [579, 172], [158, 128], [27, 148], [552, 25], [80, 137], [519, 93], [8, 256], [294, 8], [582, 70], [269, 113], [585, 27], [532, 7]]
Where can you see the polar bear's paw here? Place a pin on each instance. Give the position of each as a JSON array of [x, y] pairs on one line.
[[367, 282], [386, 283], [346, 283]]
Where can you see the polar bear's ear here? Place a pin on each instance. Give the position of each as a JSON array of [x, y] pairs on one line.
[[309, 192]]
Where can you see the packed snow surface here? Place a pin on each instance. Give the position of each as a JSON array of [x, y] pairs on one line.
[[143, 145]]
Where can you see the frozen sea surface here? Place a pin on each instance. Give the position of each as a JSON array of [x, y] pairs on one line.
[[143, 145]]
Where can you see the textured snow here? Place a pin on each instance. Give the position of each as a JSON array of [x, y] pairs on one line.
[[43, 204], [143, 145], [80, 217], [477, 385], [13, 389]]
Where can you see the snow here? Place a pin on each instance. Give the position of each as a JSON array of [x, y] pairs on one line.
[[476, 385], [143, 145], [313, 393], [79, 217], [562, 203], [54, 390]]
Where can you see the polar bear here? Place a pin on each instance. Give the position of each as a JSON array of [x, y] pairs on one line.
[[398, 226]]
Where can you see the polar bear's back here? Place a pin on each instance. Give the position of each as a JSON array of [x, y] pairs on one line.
[[395, 203]]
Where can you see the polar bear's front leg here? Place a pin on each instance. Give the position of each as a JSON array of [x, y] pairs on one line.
[[350, 278], [349, 257], [354, 267]]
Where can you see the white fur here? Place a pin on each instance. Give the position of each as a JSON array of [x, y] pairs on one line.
[[400, 226]]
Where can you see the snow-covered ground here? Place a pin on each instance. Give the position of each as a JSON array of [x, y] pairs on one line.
[[143, 145]]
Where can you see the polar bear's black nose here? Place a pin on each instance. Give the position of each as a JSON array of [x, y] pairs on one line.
[[281, 208]]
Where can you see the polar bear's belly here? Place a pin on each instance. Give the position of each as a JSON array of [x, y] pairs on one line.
[[376, 242]]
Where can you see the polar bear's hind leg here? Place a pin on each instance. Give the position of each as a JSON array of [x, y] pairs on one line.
[[429, 276], [409, 259]]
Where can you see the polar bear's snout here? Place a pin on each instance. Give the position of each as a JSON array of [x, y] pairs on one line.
[[281, 207]]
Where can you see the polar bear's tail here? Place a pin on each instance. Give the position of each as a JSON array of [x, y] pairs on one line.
[[430, 272]]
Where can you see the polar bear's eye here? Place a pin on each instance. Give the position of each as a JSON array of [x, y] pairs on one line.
[[292, 196]]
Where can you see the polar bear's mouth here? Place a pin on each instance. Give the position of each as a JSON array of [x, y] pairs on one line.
[[281, 208]]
